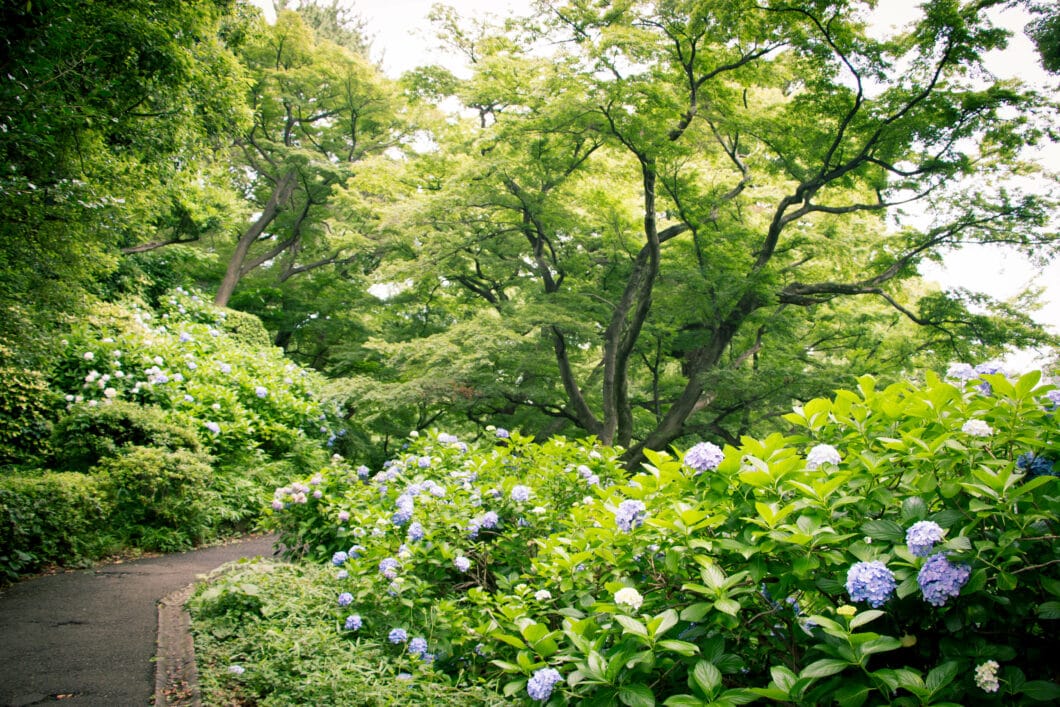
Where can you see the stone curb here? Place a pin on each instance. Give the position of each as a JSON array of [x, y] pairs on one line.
[[176, 676]]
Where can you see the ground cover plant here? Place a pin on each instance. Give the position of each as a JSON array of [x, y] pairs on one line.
[[157, 428], [898, 546]]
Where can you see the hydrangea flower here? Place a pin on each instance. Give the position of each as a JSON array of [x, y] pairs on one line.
[[363, 472], [539, 687], [1053, 396], [261, 391], [344, 516], [939, 579], [822, 454], [520, 493], [977, 428], [418, 646], [415, 533], [871, 582], [704, 456], [628, 596], [922, 536], [398, 635], [462, 563], [353, 622], [502, 433], [388, 567], [342, 574], [213, 427], [986, 676], [236, 669], [1035, 465], [961, 372], [542, 595], [345, 599], [630, 514], [423, 462], [339, 558], [489, 520]]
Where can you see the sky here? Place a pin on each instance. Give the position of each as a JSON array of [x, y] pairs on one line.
[[402, 39]]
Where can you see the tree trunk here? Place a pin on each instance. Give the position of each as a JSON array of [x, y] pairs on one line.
[[281, 194]]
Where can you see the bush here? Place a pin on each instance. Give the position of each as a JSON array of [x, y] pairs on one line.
[[899, 547], [162, 499], [54, 517], [27, 408], [90, 433]]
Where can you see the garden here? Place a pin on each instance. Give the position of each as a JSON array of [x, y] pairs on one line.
[[898, 545]]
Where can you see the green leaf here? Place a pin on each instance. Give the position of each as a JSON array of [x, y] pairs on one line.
[[637, 695], [727, 606], [941, 676], [783, 677], [823, 668], [865, 617], [631, 625], [684, 701], [680, 647], [884, 530], [707, 677], [1049, 610], [1041, 691]]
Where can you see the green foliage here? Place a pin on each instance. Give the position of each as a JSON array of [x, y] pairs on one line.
[[51, 518], [258, 616], [161, 496], [695, 583], [90, 433], [27, 409]]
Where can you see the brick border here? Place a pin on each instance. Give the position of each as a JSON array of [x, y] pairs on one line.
[[176, 676]]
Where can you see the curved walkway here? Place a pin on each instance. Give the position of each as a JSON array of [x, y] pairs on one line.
[[88, 637]]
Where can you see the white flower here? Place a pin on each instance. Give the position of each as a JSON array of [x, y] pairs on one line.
[[628, 596], [110, 392], [542, 595], [977, 428], [986, 676], [822, 454], [89, 355]]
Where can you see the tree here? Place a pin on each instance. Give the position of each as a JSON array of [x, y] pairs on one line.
[[108, 114], [320, 110], [699, 210]]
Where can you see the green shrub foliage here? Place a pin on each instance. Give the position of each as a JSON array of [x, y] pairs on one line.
[[27, 409], [51, 518], [899, 546]]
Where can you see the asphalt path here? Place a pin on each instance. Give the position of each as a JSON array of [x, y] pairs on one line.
[[88, 637]]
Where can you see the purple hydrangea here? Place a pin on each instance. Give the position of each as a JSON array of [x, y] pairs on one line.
[[961, 372], [630, 514], [398, 635], [1053, 396], [940, 579], [502, 433], [462, 563], [213, 427], [704, 456], [261, 391], [539, 687], [520, 493], [489, 520], [418, 646], [415, 533], [871, 582], [363, 472], [922, 536], [423, 462], [405, 506], [344, 516], [355, 551], [388, 567], [353, 623], [345, 599], [339, 558]]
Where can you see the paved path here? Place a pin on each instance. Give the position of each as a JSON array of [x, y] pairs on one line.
[[88, 637]]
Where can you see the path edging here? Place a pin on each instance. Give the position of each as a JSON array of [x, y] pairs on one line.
[[176, 675]]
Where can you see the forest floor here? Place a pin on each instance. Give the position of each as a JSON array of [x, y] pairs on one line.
[[114, 635]]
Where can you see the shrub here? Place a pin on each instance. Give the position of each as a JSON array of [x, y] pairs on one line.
[[162, 499], [54, 517], [27, 408], [899, 547], [89, 433]]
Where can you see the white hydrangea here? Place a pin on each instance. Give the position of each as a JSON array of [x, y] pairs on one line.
[[977, 428], [628, 596], [822, 454]]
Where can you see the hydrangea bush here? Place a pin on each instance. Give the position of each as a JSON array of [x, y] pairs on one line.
[[885, 551]]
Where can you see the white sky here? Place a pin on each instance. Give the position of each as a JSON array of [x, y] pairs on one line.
[[403, 39]]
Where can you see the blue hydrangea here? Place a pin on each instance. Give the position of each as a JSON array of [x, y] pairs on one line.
[[961, 371], [261, 391], [345, 599], [418, 646], [630, 514], [539, 687], [520, 493], [704, 456], [502, 433], [388, 567], [398, 635], [489, 520], [940, 579], [353, 623], [462, 563], [415, 533], [922, 536], [871, 582], [355, 551], [339, 558], [423, 462], [213, 427], [363, 473], [342, 574], [1035, 465], [1053, 396]]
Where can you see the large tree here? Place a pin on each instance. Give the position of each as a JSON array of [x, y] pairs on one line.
[[689, 211]]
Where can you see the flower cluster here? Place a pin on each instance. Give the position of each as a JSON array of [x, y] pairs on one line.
[[977, 428], [630, 514], [462, 563], [628, 596], [539, 687], [397, 635], [922, 536], [871, 582], [418, 646], [1035, 464], [345, 599], [704, 456], [939, 579], [822, 454], [353, 623], [520, 493], [986, 676]]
